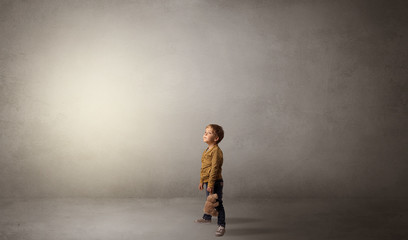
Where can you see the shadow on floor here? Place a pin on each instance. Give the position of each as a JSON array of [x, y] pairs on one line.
[[238, 220], [250, 231]]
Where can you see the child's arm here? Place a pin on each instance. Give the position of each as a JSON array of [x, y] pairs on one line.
[[216, 163], [200, 185]]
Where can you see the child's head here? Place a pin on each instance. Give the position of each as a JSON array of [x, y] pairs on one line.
[[213, 132]]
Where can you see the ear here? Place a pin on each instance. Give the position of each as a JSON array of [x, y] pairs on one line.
[[216, 139]]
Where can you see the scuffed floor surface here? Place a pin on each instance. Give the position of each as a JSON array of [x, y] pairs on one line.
[[130, 218]]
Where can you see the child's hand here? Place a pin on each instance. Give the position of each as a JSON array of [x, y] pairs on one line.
[[209, 190], [200, 186]]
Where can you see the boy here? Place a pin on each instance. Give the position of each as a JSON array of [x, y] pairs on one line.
[[210, 176]]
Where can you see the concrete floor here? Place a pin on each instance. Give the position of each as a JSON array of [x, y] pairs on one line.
[[129, 218]]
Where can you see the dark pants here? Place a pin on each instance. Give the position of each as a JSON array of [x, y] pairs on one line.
[[219, 184]]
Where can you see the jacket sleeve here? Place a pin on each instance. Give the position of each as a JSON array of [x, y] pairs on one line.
[[216, 163], [201, 170]]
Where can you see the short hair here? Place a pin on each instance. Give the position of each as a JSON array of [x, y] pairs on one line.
[[218, 131]]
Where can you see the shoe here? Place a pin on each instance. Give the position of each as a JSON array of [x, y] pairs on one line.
[[202, 220], [220, 231]]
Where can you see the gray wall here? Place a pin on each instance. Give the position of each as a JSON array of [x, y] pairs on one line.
[[110, 98]]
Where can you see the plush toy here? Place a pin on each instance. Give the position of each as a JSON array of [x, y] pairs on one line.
[[210, 204]]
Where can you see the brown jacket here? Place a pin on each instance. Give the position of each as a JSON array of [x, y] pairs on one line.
[[211, 166]]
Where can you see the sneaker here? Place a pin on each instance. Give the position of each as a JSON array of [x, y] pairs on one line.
[[220, 231], [202, 220]]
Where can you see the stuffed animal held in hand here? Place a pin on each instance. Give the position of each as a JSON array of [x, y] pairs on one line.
[[210, 204]]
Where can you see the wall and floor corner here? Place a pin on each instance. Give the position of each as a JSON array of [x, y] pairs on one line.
[[110, 98]]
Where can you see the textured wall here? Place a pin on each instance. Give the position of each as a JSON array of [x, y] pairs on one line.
[[110, 98]]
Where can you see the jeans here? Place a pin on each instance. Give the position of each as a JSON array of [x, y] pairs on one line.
[[218, 186]]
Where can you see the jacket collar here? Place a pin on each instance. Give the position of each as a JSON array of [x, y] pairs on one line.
[[210, 150]]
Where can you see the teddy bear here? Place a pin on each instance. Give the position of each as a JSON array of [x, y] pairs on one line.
[[210, 204]]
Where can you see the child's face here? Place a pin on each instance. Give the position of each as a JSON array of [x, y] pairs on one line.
[[209, 136]]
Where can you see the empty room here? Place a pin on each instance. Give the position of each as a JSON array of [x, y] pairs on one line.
[[203, 119]]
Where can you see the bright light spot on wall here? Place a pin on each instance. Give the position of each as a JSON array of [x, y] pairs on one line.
[[92, 85]]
